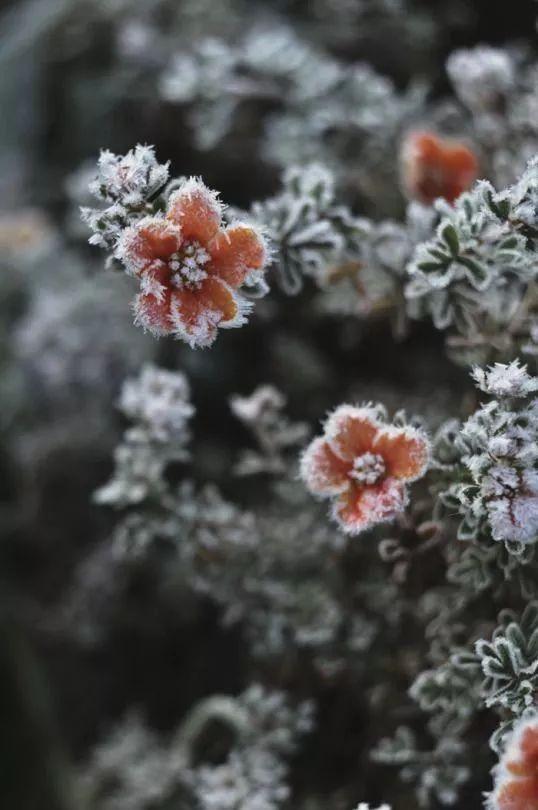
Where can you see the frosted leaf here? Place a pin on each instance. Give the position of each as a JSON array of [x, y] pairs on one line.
[[473, 277], [263, 414], [129, 178], [125, 185], [158, 400], [306, 227], [481, 76], [502, 380]]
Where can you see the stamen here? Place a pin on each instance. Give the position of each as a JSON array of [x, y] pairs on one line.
[[187, 266], [368, 468]]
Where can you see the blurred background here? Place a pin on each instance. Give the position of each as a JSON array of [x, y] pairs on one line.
[[233, 91]]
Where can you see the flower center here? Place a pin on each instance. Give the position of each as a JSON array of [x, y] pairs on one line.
[[368, 468], [187, 266]]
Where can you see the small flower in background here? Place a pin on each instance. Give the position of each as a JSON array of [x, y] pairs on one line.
[[26, 233], [433, 167], [364, 464], [516, 777], [190, 268]]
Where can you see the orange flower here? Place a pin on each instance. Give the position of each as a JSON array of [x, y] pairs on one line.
[[190, 268], [364, 465], [517, 774], [434, 167]]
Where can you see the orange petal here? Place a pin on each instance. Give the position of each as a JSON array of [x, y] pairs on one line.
[[436, 167], [235, 251], [323, 472], [405, 452], [196, 314], [196, 209], [520, 794], [350, 431], [529, 746], [153, 313], [150, 239], [426, 147], [362, 507]]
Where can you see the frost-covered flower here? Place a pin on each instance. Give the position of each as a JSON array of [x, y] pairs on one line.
[[364, 464], [516, 776], [435, 167], [189, 267]]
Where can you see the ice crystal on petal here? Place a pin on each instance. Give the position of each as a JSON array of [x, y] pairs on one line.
[[190, 268]]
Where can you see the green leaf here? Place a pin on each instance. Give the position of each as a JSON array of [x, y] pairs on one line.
[[450, 236]]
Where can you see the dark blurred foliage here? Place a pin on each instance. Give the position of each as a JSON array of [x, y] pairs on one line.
[[63, 98]]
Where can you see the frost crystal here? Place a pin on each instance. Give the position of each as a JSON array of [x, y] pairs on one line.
[[263, 414], [482, 76], [501, 380], [126, 183], [157, 402], [498, 447], [307, 228], [473, 276]]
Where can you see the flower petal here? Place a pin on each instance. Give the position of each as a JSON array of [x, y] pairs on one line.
[[196, 209], [529, 748], [236, 251], [406, 452], [350, 431], [360, 508], [196, 314], [323, 472], [436, 167], [520, 794], [150, 239], [153, 313]]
